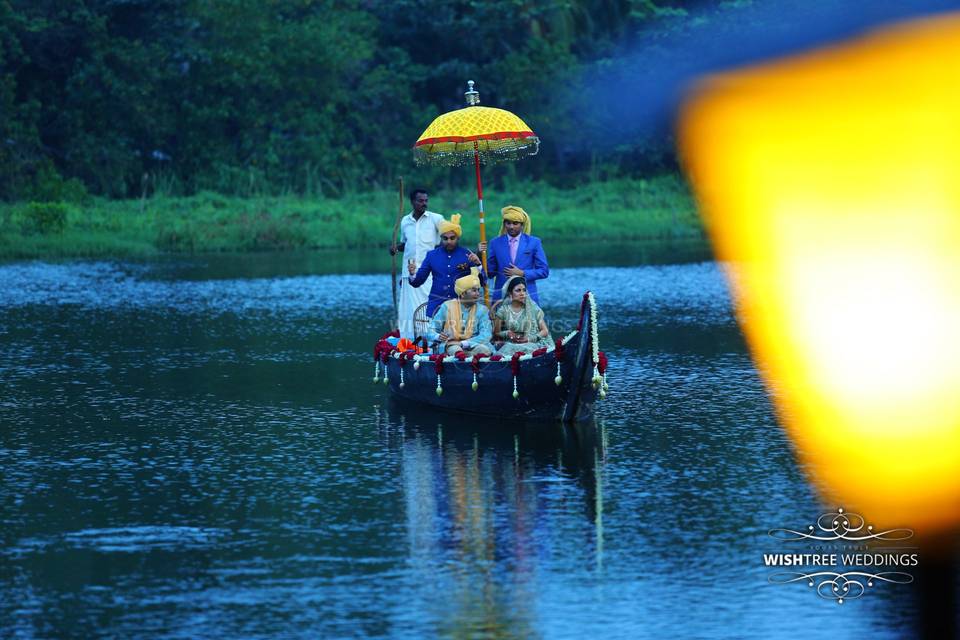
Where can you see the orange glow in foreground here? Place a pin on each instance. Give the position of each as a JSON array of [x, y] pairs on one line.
[[830, 183]]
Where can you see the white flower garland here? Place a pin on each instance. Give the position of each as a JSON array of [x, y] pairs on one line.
[[594, 340], [599, 381]]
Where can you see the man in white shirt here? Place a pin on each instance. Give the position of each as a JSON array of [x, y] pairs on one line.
[[418, 234]]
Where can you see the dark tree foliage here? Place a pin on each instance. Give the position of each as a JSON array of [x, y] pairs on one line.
[[118, 97]]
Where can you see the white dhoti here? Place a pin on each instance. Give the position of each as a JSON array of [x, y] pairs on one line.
[[410, 299]]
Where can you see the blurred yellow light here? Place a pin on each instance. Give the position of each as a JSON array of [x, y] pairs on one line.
[[830, 184]]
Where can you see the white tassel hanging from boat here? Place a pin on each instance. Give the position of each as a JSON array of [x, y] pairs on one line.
[[516, 394], [376, 371], [596, 377], [439, 387], [559, 379], [474, 385], [416, 365], [386, 380], [402, 383]]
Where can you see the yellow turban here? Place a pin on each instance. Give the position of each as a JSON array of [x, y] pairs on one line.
[[467, 282], [453, 224], [514, 213]]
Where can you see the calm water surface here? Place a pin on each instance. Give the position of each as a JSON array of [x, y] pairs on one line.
[[194, 448]]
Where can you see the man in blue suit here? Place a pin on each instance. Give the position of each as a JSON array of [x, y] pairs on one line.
[[447, 263], [516, 253]]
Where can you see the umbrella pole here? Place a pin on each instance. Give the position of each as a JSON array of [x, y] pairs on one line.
[[483, 228]]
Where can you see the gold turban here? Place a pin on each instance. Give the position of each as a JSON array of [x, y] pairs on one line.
[[453, 224], [467, 282], [514, 213]]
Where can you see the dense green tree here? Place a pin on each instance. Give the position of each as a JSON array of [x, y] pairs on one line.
[[122, 97]]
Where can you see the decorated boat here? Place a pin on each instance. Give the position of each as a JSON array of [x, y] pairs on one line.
[[559, 382]]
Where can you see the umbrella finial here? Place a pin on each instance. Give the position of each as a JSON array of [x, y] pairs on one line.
[[472, 96]]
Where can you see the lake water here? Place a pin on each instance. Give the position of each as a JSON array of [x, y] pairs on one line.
[[193, 447]]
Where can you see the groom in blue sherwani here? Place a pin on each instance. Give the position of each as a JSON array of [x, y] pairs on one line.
[[516, 253]]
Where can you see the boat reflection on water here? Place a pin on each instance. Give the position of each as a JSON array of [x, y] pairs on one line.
[[485, 502]]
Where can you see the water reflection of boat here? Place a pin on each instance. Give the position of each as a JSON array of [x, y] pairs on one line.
[[561, 382], [485, 511]]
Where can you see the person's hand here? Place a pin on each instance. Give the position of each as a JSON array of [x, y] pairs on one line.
[[513, 270], [442, 337], [465, 344], [411, 267], [396, 247], [543, 333], [481, 247], [472, 257]]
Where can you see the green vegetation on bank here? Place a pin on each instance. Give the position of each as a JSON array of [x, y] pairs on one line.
[[616, 210]]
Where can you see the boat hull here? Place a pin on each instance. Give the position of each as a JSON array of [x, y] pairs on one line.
[[538, 396]]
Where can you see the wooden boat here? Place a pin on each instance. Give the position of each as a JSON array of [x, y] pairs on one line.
[[561, 382]]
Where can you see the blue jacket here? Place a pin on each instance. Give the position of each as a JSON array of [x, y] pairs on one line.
[[445, 268], [530, 258]]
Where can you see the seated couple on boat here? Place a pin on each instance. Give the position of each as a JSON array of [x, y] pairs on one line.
[[464, 324]]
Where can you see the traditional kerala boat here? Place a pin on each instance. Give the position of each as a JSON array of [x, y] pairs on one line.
[[561, 382]]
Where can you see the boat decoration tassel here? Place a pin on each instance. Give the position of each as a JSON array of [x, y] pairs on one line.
[[438, 367], [558, 353], [602, 370], [515, 368], [402, 358], [475, 365]]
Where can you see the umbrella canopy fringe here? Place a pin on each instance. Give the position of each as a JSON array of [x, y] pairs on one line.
[[454, 154]]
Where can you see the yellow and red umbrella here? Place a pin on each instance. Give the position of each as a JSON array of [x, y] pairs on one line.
[[484, 135]]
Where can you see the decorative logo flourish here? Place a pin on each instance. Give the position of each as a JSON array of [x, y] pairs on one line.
[[840, 571], [840, 525], [831, 585]]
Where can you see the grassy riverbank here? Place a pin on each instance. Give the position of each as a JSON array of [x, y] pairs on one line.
[[652, 209]]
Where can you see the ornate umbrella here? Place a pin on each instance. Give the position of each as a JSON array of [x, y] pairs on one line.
[[478, 134]]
